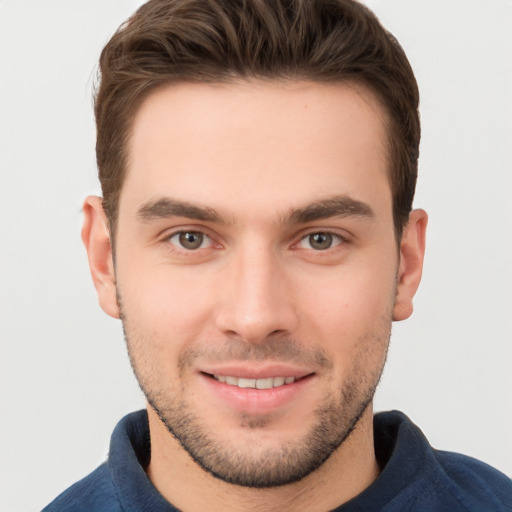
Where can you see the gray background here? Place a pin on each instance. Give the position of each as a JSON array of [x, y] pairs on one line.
[[65, 377]]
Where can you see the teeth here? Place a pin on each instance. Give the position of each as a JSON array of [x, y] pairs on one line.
[[279, 381], [268, 383], [265, 383], [246, 383]]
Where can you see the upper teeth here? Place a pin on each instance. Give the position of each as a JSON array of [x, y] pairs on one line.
[[270, 382]]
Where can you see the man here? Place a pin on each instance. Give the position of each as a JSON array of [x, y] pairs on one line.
[[258, 163]]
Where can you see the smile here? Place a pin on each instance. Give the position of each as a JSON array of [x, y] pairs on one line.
[[266, 383], [256, 390]]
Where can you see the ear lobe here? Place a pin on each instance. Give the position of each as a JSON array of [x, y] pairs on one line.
[[96, 238], [412, 252]]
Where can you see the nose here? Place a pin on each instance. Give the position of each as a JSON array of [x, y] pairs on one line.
[[256, 297]]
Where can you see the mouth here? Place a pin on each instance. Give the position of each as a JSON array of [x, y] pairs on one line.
[[264, 383], [257, 394], [254, 389]]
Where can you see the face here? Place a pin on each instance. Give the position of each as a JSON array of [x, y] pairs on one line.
[[257, 270]]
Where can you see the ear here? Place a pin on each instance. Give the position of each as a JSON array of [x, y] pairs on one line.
[[96, 238], [412, 252]]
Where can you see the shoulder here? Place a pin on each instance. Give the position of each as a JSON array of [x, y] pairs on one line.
[[474, 483], [94, 493], [423, 478]]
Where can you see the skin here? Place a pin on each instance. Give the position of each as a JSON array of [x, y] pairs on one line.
[[257, 168]]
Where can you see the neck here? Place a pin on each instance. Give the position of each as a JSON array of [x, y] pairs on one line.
[[347, 472]]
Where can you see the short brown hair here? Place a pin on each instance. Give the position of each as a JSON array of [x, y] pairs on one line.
[[331, 41]]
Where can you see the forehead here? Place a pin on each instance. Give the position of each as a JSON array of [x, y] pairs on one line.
[[254, 144]]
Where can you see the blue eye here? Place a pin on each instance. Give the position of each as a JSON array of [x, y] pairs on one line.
[[320, 241], [190, 240]]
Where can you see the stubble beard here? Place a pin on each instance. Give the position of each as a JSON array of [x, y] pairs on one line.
[[269, 468], [334, 420]]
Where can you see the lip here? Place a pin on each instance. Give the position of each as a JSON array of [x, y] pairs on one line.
[[255, 401], [257, 372]]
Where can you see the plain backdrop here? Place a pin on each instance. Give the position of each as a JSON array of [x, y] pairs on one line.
[[65, 376]]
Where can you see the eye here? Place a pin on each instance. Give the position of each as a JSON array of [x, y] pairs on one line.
[[190, 240], [320, 241]]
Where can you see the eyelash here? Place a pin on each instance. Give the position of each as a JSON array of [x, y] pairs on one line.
[[177, 246], [190, 232], [333, 235]]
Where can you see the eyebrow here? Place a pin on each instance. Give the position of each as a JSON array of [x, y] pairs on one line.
[[166, 207], [337, 206]]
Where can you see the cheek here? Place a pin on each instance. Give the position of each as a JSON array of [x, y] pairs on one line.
[[350, 311], [166, 307], [350, 296]]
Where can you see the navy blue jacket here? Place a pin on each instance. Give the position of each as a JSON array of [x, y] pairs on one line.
[[414, 476]]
